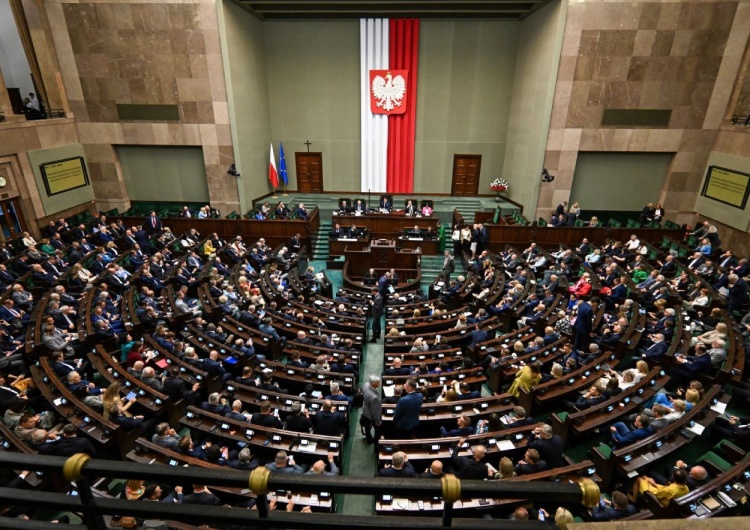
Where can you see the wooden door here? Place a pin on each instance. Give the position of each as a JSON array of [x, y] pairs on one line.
[[12, 222], [466, 175], [309, 172]]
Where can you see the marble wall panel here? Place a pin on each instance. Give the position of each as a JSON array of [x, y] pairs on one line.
[[123, 52], [642, 55]]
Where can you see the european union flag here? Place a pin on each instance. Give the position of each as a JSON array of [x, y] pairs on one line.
[[282, 164]]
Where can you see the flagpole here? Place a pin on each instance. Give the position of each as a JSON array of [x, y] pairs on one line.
[[274, 196], [285, 193]]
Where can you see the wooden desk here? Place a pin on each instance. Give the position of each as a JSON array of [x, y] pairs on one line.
[[379, 255], [265, 441], [336, 246], [385, 224], [275, 232]]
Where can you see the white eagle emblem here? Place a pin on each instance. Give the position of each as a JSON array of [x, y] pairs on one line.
[[389, 92]]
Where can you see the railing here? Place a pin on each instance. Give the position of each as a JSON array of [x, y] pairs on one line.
[[82, 470]]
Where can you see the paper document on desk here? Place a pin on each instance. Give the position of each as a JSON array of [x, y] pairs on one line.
[[697, 429], [400, 504], [389, 391], [720, 407], [505, 445], [310, 447]]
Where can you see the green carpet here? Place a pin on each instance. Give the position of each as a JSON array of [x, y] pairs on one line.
[[359, 458]]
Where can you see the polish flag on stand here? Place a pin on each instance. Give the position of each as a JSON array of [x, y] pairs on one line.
[[273, 175]]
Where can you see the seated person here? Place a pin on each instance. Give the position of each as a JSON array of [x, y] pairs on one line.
[[617, 508], [623, 434], [664, 494], [339, 231], [464, 428], [531, 463], [399, 467]]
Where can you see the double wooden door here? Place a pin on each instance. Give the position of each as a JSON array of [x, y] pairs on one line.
[[466, 175], [309, 172], [12, 222]]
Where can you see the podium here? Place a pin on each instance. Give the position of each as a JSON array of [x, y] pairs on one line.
[[381, 254]]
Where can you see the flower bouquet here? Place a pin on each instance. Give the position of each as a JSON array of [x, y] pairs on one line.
[[499, 186]]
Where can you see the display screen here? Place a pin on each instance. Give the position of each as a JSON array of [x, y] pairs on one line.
[[727, 186], [64, 175]]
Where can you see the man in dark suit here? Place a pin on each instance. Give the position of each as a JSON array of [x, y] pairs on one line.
[[295, 244], [201, 495], [470, 468], [70, 444], [478, 335], [212, 365], [532, 463], [385, 203], [216, 404], [152, 224], [301, 212], [396, 368], [7, 277], [738, 289], [657, 349], [406, 416], [618, 508], [688, 368], [265, 417], [360, 207], [584, 323], [549, 445], [399, 467], [329, 422], [377, 307]]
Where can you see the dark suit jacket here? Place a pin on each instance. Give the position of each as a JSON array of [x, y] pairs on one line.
[[329, 423], [550, 450], [208, 499], [657, 350], [407, 411], [406, 471], [266, 420], [468, 468], [70, 446]]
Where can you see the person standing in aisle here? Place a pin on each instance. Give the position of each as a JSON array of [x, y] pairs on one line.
[[377, 306], [371, 410]]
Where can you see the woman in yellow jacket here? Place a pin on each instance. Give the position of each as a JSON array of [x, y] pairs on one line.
[[526, 377]]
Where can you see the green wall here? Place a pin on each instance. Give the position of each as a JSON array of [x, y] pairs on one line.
[[539, 45], [247, 93], [313, 80], [164, 173], [734, 217], [463, 99], [68, 199], [291, 81], [618, 181]]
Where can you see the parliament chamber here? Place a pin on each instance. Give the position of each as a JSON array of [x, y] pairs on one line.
[[493, 272]]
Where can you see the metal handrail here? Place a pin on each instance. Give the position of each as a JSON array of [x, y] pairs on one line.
[[82, 470]]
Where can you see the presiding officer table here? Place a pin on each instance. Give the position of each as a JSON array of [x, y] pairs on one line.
[[393, 225], [387, 225]]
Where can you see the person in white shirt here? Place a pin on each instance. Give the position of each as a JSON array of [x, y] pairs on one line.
[[33, 102], [633, 244]]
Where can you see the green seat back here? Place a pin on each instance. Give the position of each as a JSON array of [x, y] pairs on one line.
[[716, 460], [605, 450]]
